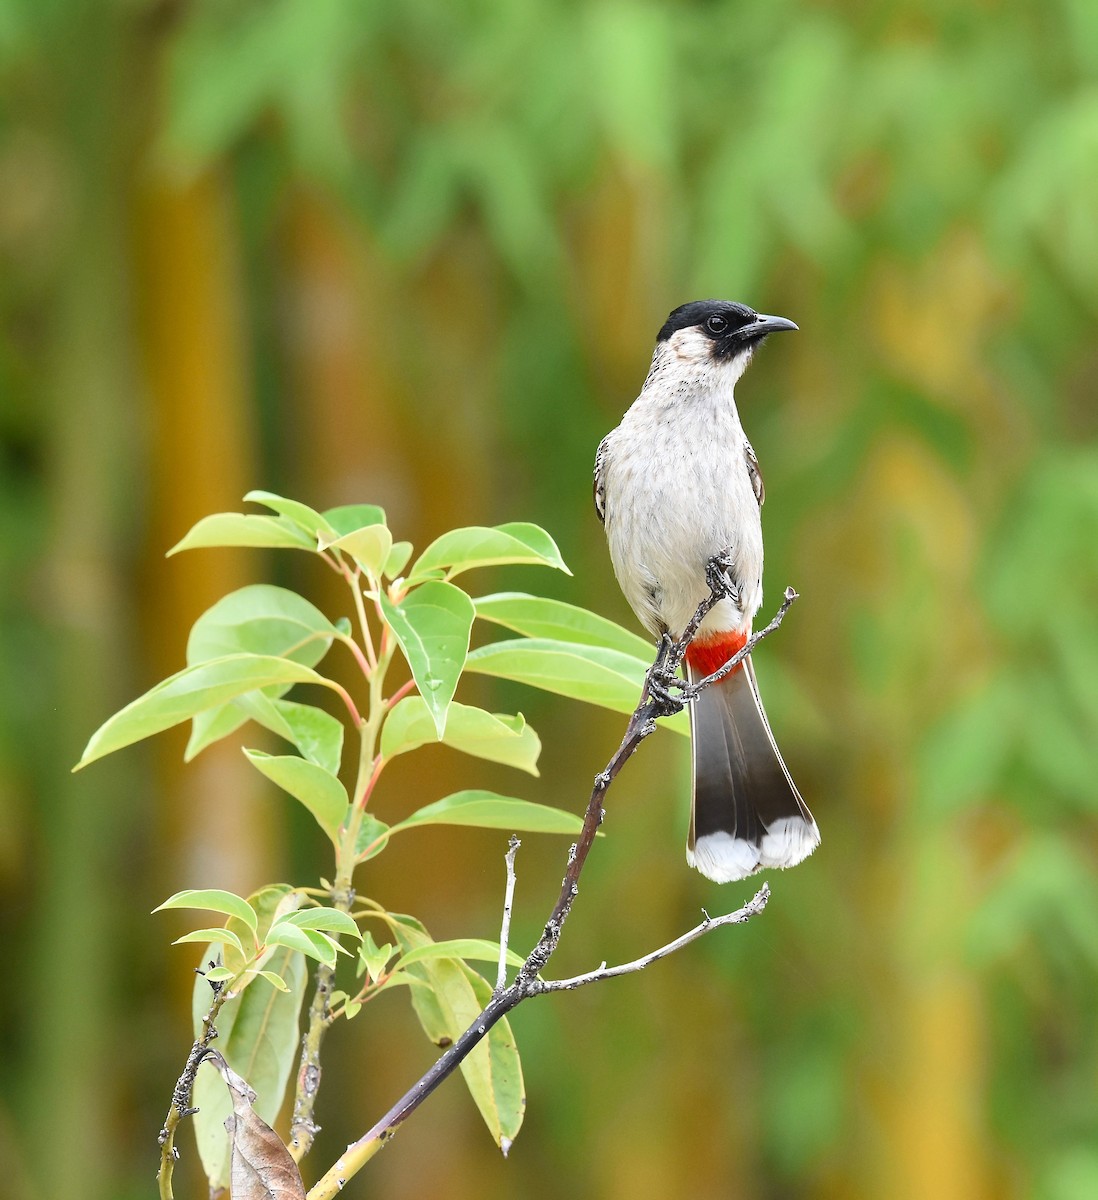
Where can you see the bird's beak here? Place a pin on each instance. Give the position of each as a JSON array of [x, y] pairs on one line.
[[763, 325]]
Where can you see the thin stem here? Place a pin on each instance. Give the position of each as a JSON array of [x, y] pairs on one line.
[[362, 801], [349, 703], [508, 899], [365, 994], [360, 658], [405, 689], [353, 582], [303, 1127]]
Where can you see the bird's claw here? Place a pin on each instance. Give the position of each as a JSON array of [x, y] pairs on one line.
[[667, 693], [718, 575]]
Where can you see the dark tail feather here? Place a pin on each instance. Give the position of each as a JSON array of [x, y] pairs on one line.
[[746, 812]]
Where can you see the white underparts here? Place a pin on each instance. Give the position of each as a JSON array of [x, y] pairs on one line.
[[724, 858]]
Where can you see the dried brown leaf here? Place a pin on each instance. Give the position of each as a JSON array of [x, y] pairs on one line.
[[261, 1166]]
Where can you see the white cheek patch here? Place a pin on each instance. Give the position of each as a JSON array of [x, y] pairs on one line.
[[690, 345], [693, 347]]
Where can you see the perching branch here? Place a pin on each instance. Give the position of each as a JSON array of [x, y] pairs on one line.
[[655, 701]]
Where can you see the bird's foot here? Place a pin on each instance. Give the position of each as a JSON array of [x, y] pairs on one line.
[[667, 692], [719, 577]]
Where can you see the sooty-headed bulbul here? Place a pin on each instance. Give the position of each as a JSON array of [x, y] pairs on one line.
[[677, 483]]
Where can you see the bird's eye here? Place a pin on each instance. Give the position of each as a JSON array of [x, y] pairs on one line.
[[716, 324]]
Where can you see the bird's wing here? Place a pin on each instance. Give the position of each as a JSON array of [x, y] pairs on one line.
[[600, 479], [754, 472]]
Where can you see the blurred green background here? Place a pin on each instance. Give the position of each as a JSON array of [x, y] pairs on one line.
[[416, 254]]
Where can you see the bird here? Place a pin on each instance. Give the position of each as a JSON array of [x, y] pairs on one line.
[[676, 484]]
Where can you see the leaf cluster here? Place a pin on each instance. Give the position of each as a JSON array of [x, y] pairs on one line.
[[245, 655]]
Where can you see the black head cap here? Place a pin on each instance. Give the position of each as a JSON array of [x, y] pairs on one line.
[[730, 326]]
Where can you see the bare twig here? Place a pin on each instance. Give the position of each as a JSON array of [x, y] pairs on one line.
[[508, 899], [724, 671], [752, 908], [654, 702], [181, 1095]]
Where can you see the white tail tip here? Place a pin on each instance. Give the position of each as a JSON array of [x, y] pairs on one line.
[[724, 858]]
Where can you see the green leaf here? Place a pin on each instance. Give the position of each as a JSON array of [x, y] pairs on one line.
[[324, 944], [494, 736], [191, 691], [261, 619], [426, 1004], [500, 1092], [599, 676], [482, 546], [539, 617], [316, 733], [491, 1069], [213, 900], [452, 1000], [211, 726], [432, 625], [372, 957], [223, 936], [319, 790], [349, 517], [594, 674], [259, 1037], [274, 980], [217, 974], [333, 920], [398, 559], [306, 941], [486, 810], [460, 948], [302, 515], [368, 546], [373, 837], [243, 529]]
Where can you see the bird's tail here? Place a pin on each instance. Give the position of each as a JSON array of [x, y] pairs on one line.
[[746, 813]]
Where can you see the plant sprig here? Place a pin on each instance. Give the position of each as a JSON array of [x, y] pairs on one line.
[[255, 656]]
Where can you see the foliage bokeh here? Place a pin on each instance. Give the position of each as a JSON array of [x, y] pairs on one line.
[[415, 255]]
